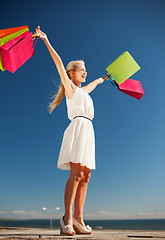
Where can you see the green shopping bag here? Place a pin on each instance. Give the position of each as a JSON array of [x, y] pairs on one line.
[[123, 67], [7, 39]]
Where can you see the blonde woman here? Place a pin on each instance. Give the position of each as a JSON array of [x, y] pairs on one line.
[[77, 152]]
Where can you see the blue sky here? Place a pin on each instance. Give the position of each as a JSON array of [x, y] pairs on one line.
[[129, 179]]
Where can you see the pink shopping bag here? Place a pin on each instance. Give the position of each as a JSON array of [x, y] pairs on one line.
[[132, 88], [17, 51]]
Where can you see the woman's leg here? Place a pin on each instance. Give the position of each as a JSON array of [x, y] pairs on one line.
[[81, 196], [76, 175]]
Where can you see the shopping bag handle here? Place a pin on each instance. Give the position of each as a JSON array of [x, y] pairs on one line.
[[112, 80], [35, 38]]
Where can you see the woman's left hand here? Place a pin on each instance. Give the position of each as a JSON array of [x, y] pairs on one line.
[[105, 77], [40, 34]]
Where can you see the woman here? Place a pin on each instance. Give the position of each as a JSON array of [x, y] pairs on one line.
[[78, 146]]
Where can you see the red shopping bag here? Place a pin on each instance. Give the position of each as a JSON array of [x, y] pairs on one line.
[[17, 51], [132, 88]]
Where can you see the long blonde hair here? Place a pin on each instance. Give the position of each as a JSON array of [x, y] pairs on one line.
[[72, 66]]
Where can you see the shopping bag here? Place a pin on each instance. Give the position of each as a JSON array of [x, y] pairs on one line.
[[132, 88], [123, 67], [17, 51], [8, 31], [1, 63], [7, 39]]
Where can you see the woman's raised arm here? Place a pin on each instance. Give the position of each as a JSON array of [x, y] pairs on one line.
[[58, 62]]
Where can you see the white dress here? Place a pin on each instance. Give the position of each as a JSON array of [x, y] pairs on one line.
[[78, 145]]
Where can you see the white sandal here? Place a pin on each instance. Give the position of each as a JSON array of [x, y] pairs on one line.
[[66, 230], [80, 229]]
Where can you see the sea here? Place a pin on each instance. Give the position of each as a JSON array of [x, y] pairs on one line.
[[149, 224]]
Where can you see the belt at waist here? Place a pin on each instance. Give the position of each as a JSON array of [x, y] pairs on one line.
[[83, 117]]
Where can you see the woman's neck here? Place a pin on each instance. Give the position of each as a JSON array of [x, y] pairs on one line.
[[77, 83]]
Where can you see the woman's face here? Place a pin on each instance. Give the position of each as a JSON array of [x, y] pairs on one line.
[[79, 75]]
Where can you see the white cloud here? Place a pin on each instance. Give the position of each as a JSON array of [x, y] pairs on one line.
[[103, 212], [151, 215], [18, 211], [3, 212], [105, 215], [22, 214], [29, 214]]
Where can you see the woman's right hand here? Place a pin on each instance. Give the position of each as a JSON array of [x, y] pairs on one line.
[[41, 34]]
